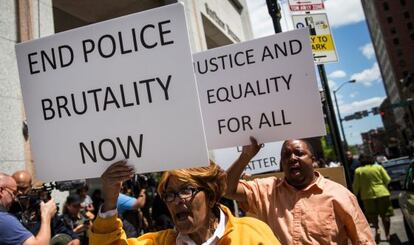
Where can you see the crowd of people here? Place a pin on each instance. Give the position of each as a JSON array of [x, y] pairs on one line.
[[186, 206]]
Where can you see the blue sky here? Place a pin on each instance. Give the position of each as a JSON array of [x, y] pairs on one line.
[[356, 59]]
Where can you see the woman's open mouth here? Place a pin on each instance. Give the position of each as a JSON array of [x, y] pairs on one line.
[[182, 215]]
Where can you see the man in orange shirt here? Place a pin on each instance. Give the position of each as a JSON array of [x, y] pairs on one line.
[[304, 207]]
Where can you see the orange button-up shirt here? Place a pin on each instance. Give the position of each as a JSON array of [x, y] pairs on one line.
[[323, 213]]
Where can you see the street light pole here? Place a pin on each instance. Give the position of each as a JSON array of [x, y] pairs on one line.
[[339, 113]]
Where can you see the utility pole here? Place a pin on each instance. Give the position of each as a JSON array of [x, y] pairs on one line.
[[274, 11], [339, 113], [333, 124]]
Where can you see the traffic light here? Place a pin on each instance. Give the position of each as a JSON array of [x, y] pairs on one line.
[[349, 117], [358, 115], [364, 113], [375, 110], [382, 113]]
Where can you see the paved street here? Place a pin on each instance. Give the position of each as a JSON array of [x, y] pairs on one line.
[[398, 235]]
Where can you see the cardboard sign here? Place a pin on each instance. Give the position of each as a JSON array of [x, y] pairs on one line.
[[308, 5], [264, 88], [267, 160], [110, 91], [322, 43]]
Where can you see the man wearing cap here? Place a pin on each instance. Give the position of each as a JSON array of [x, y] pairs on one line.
[[11, 230]]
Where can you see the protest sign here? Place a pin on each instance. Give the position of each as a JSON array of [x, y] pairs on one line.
[[266, 160], [110, 91], [264, 88]]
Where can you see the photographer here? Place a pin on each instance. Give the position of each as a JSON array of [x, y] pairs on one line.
[[129, 207], [11, 230], [74, 219], [26, 207]]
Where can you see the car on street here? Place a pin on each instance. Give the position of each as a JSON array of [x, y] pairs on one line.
[[397, 170], [406, 202]]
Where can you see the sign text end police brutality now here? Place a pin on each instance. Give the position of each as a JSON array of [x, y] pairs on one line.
[[148, 36]]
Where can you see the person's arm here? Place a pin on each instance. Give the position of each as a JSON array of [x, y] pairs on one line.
[[112, 180], [356, 183], [140, 201], [108, 230], [385, 177], [47, 211], [234, 190]]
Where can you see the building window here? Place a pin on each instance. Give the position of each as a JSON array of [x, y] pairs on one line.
[[402, 63], [399, 52], [412, 36], [402, 2], [396, 41], [409, 26], [393, 30], [406, 15], [405, 73], [237, 5], [389, 19], [386, 7]]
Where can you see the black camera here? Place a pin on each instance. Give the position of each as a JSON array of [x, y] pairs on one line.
[[134, 185], [27, 207]]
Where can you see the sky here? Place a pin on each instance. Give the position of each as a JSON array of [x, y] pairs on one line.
[[356, 59]]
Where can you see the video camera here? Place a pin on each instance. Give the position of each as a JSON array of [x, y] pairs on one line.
[[28, 210], [136, 184]]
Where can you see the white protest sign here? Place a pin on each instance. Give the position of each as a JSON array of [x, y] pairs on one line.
[[267, 160], [306, 5], [110, 91], [322, 43], [264, 88]]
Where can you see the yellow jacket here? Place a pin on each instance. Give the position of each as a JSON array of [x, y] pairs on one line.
[[238, 231]]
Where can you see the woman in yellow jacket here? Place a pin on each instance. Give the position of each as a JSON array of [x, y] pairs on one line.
[[192, 198]]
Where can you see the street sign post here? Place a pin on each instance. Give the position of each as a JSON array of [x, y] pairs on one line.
[[111, 91], [306, 5], [322, 43]]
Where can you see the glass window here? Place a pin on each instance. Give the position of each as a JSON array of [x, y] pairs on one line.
[[409, 26], [385, 5], [396, 41], [402, 2], [389, 19], [406, 15], [393, 30]]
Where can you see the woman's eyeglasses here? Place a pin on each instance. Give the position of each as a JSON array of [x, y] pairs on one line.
[[185, 193]]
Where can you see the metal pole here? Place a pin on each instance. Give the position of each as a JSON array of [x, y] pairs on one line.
[[333, 124], [274, 12], [340, 120]]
